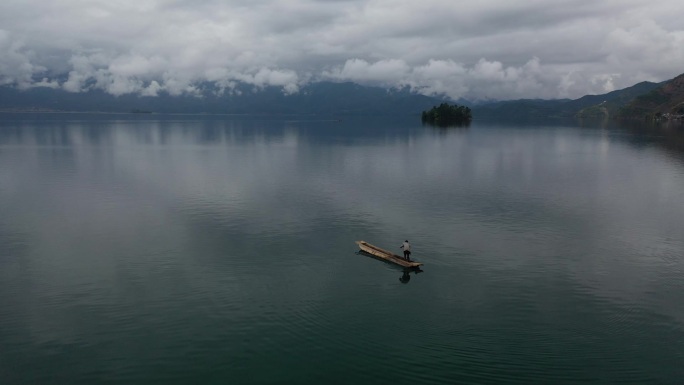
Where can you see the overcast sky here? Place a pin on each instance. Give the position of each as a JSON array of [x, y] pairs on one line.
[[482, 49]]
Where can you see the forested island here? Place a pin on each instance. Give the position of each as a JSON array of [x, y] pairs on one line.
[[447, 115]]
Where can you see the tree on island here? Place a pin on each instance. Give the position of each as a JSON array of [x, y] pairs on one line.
[[447, 115]]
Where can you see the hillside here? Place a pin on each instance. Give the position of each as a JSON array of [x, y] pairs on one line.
[[606, 106], [603, 105], [666, 99]]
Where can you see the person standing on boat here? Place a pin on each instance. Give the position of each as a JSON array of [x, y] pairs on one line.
[[407, 250]]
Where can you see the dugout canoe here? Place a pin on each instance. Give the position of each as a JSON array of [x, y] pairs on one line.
[[386, 255]]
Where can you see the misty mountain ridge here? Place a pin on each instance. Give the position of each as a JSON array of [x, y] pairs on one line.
[[321, 98]]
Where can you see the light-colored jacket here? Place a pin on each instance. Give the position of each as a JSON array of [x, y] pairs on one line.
[[406, 246]]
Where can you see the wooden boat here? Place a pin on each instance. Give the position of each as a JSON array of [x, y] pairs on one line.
[[386, 255]]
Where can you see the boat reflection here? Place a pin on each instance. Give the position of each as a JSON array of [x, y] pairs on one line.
[[406, 275]]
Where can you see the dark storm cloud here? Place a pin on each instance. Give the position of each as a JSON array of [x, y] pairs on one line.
[[485, 49]]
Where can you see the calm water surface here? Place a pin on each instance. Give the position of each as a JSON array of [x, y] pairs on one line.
[[188, 250]]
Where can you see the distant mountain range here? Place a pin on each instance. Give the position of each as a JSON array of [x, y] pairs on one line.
[[323, 98], [643, 100]]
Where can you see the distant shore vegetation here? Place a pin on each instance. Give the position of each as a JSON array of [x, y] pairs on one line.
[[446, 115]]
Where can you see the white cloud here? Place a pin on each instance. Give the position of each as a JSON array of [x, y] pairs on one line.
[[446, 77], [385, 72], [15, 62], [487, 49], [46, 83], [152, 89]]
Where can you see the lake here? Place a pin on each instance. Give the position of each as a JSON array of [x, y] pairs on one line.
[[181, 249]]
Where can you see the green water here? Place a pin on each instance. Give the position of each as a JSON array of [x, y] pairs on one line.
[[220, 250]]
